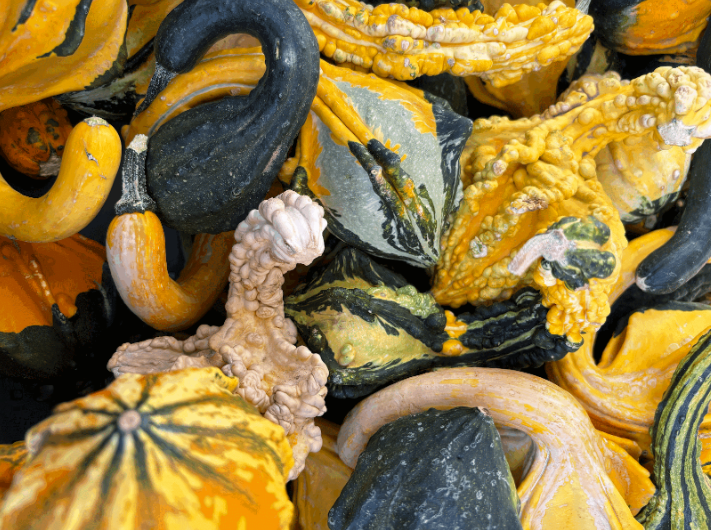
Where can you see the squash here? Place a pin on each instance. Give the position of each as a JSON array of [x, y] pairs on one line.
[[91, 160], [575, 478], [33, 137], [431, 470], [683, 496], [521, 177], [135, 249], [169, 451], [392, 150], [210, 165], [392, 40], [48, 48], [371, 327], [257, 343], [12, 457], [59, 300], [650, 27]]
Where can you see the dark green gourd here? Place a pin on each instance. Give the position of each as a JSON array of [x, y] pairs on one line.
[[371, 327], [209, 166], [440, 469], [683, 496]]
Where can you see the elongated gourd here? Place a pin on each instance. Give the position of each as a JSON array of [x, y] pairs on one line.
[[135, 251], [89, 165]]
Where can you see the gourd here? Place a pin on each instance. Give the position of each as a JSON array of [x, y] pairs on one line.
[[371, 327], [683, 496], [209, 166], [48, 48], [33, 137], [522, 177], [89, 165], [257, 343], [135, 249], [575, 478], [431, 470], [382, 159], [171, 451], [58, 300], [12, 457]]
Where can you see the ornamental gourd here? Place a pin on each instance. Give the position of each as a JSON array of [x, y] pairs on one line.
[[89, 165], [58, 301], [170, 451], [12, 457], [33, 137]]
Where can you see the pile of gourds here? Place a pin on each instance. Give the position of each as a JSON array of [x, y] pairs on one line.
[[518, 303]]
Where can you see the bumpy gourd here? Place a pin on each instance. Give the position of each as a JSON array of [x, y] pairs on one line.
[[404, 43], [522, 177], [171, 451], [33, 137], [48, 48], [257, 343], [575, 478], [89, 165], [135, 251]]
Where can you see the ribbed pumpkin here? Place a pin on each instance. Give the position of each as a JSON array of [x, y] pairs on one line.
[[162, 451], [32, 137]]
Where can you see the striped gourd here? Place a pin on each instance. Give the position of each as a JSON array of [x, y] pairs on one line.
[[683, 497], [164, 451]]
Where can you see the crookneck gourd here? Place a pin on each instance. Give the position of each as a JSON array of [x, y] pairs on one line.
[[89, 165], [33, 137], [257, 343], [683, 496], [135, 251], [371, 327], [57, 300], [165, 451], [210, 165], [575, 478], [48, 48], [531, 190], [393, 40]]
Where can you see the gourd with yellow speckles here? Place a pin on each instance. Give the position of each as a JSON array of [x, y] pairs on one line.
[[523, 177], [168, 451]]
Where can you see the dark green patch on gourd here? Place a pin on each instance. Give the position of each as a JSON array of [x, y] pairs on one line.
[[648, 208], [25, 13], [209, 166], [447, 87], [683, 496], [355, 305], [75, 32], [436, 470]]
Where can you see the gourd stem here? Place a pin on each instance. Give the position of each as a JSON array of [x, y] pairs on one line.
[[551, 245], [134, 197]]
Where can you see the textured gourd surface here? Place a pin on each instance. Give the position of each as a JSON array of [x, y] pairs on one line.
[[48, 48], [431, 470], [167, 451]]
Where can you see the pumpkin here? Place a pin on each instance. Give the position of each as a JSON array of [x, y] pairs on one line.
[[33, 137], [575, 478], [89, 165], [371, 327], [524, 176], [59, 301], [170, 451], [12, 457], [135, 249], [48, 48], [649, 27], [435, 469], [257, 343], [392, 40], [209, 166], [388, 147], [683, 496]]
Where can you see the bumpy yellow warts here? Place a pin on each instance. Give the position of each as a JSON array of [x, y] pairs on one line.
[[404, 43], [521, 176]]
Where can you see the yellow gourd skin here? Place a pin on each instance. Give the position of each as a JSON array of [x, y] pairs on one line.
[[135, 251], [162, 451], [91, 160], [43, 55]]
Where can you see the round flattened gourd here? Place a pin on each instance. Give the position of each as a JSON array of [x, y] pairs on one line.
[[163, 451], [32, 137]]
